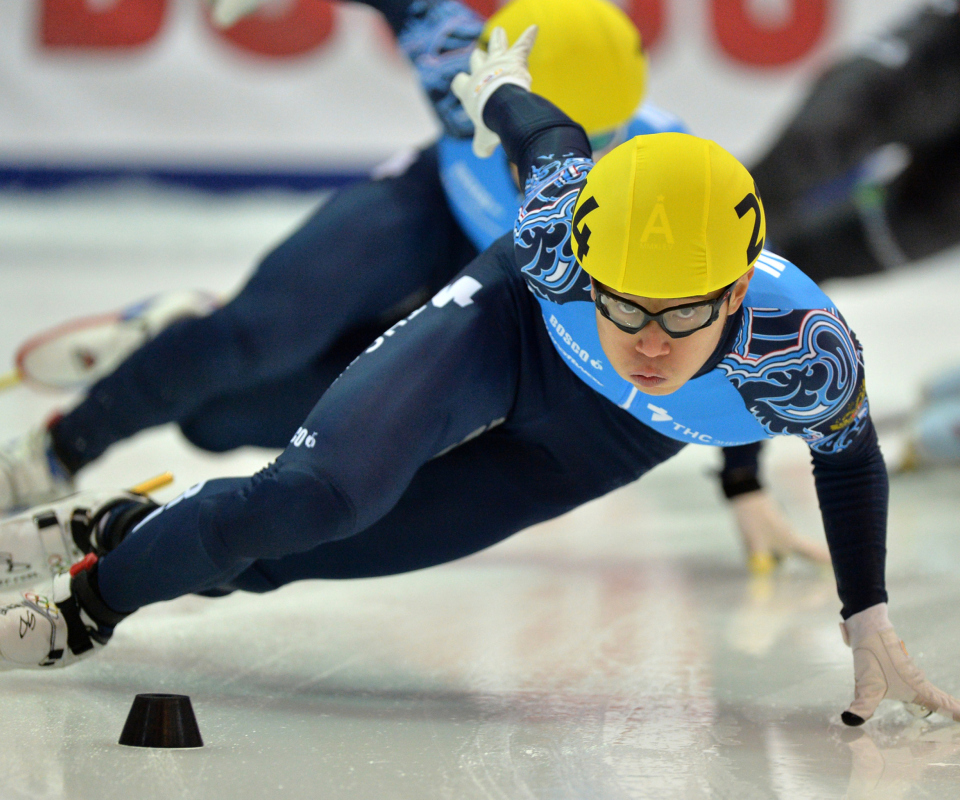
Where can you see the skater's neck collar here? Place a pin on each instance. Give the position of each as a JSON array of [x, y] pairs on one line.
[[730, 330]]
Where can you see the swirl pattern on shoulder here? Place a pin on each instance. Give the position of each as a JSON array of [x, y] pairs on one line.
[[543, 231], [800, 373]]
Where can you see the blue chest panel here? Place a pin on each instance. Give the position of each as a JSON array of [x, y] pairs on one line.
[[707, 410], [481, 191], [794, 368]]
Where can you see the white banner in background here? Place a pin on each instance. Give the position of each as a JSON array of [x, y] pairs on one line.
[[310, 85]]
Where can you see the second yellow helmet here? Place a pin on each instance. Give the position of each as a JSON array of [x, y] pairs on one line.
[[587, 61]]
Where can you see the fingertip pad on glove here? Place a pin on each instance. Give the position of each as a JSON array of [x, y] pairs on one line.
[[851, 719]]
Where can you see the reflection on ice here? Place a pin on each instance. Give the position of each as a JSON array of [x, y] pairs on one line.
[[892, 766]]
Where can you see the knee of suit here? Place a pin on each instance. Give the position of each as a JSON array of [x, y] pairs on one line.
[[283, 511]]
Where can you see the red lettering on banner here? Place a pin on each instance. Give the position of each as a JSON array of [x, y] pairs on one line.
[[296, 27], [485, 8], [303, 26], [124, 23], [649, 17], [747, 40]]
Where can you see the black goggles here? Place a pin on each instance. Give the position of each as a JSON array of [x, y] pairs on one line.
[[676, 321]]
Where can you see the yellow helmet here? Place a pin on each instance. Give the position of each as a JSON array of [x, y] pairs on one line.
[[668, 215], [587, 61]]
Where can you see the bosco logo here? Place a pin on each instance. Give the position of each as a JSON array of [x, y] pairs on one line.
[[567, 339]]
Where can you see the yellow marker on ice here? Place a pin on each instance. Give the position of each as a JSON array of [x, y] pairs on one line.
[[154, 483], [761, 563]]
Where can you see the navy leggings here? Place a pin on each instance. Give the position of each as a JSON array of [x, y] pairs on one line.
[[374, 481], [249, 373]]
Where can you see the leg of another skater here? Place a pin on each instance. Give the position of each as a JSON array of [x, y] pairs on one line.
[[353, 262]]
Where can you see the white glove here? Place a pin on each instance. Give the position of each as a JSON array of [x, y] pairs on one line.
[[767, 534], [489, 71], [883, 669], [226, 12]]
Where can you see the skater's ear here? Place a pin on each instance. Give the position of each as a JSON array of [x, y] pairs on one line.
[[739, 290]]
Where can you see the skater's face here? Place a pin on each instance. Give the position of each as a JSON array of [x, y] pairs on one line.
[[653, 361]]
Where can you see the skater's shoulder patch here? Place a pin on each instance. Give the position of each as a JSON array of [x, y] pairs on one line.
[[800, 373]]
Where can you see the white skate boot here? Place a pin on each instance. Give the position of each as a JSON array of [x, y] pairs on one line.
[[49, 539], [30, 472], [57, 628], [79, 352]]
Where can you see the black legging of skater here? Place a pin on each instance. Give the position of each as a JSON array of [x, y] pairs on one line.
[[249, 373]]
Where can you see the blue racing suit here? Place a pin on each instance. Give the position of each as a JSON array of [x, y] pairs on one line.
[[475, 417]]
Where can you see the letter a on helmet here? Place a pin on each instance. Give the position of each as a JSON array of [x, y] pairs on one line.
[[668, 215]]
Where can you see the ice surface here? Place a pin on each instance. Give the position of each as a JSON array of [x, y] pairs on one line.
[[618, 652]]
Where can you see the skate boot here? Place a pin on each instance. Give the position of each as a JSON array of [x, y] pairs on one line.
[[49, 539], [79, 352], [31, 473], [59, 627]]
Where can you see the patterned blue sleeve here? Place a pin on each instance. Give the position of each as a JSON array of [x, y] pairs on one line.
[[438, 39], [543, 235], [800, 373]]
